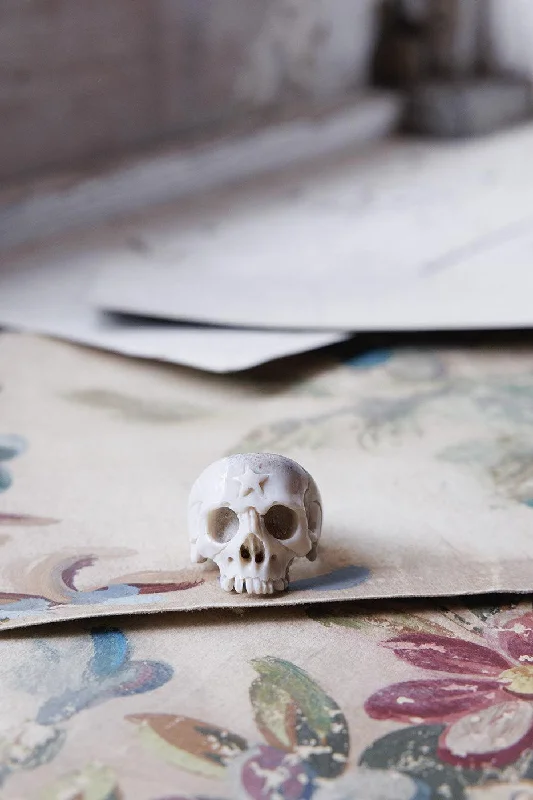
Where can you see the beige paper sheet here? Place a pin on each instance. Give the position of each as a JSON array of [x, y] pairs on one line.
[[331, 702], [423, 459]]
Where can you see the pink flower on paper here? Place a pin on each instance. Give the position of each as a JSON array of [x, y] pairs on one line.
[[485, 702]]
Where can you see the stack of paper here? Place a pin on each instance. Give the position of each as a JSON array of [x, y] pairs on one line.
[[401, 236], [49, 291], [410, 236]]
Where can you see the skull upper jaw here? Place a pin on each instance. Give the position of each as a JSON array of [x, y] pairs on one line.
[[253, 560]]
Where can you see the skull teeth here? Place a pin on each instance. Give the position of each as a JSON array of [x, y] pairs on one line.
[[226, 583], [252, 585]]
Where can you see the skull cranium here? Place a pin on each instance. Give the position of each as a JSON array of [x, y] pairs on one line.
[[253, 514]]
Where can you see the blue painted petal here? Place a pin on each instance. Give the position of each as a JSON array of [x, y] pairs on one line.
[[528, 502], [423, 791], [5, 479], [64, 706], [22, 608], [370, 359], [136, 677], [5, 772], [118, 591], [130, 598], [342, 578], [140, 677], [11, 446], [111, 651]]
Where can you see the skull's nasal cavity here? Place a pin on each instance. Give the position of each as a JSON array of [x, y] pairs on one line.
[[252, 549]]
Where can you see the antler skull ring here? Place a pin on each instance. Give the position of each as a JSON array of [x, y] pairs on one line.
[[253, 514]]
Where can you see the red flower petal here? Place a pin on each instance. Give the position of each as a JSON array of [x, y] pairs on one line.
[[437, 700], [493, 737], [516, 637], [445, 654]]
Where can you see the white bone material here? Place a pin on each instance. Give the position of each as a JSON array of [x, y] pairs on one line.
[[253, 514]]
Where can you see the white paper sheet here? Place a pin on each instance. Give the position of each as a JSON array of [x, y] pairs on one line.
[[411, 236], [48, 292]]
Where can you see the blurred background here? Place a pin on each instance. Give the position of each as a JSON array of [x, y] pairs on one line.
[[84, 80], [166, 166]]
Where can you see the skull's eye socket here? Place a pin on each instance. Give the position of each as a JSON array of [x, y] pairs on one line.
[[280, 522], [222, 524]]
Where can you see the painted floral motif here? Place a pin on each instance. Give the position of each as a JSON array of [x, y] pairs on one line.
[[93, 782], [415, 390], [460, 727], [12, 446], [507, 461], [136, 409], [27, 746], [519, 790], [470, 716], [304, 754], [370, 359], [56, 578], [485, 700], [52, 582], [67, 688]]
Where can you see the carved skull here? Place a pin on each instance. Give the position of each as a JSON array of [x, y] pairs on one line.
[[253, 514]]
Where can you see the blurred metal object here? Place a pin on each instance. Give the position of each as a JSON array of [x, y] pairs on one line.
[[400, 58], [461, 92], [467, 107], [459, 40]]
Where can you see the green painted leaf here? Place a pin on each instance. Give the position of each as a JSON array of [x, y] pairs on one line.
[[275, 714], [93, 782], [473, 614], [413, 751], [188, 743], [294, 713], [137, 409], [394, 619]]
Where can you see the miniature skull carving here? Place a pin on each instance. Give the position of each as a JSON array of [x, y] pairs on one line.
[[253, 514]]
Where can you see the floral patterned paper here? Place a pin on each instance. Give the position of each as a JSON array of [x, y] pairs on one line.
[[423, 459], [409, 701]]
